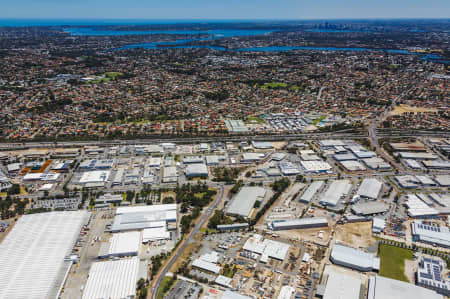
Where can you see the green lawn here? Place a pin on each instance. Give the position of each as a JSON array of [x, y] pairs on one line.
[[392, 262], [165, 286], [113, 75], [209, 230], [101, 80], [318, 120], [255, 118], [274, 85]]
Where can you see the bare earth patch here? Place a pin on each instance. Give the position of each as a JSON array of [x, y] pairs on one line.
[[357, 234], [402, 108]]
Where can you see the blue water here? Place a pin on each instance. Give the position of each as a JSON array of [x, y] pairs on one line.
[[253, 49], [337, 30], [178, 44], [430, 57], [216, 33]]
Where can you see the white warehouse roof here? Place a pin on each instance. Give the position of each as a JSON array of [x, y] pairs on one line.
[[315, 166], [137, 221], [286, 292], [370, 188], [32, 254], [155, 233], [417, 208], [311, 191], [431, 234], [233, 295], [96, 176], [354, 258], [125, 244], [146, 209], [223, 281], [244, 201], [204, 265], [299, 223], [141, 217], [334, 193], [112, 279], [342, 286], [266, 247], [196, 170], [386, 288]]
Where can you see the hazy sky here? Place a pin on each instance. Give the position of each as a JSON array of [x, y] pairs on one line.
[[224, 9]]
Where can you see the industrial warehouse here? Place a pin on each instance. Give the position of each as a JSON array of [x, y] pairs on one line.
[[354, 258], [266, 248], [342, 286], [298, 223], [273, 229], [336, 192], [308, 195], [142, 217], [114, 279], [243, 203], [38, 244], [434, 235], [385, 288], [121, 244], [370, 188]]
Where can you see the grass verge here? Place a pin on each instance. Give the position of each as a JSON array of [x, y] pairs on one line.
[[165, 286], [392, 261]]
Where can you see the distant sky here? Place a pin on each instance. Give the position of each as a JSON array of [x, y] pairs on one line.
[[223, 9]]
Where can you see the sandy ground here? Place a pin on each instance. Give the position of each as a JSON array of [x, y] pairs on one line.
[[355, 234], [278, 144], [310, 235], [410, 270], [42, 151], [405, 108]]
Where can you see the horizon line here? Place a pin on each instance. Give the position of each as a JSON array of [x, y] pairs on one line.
[[228, 19]]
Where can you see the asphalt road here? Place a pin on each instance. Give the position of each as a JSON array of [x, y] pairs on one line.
[[153, 292], [373, 130], [269, 137]]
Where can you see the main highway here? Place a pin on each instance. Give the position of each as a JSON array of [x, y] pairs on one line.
[[153, 293], [344, 134]]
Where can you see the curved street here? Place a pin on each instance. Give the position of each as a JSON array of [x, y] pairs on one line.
[[153, 291]]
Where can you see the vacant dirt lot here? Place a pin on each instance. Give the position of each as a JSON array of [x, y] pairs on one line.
[[316, 235], [405, 108], [355, 234]]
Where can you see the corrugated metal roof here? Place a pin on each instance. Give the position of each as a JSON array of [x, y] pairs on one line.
[[354, 258], [341, 286], [32, 254], [125, 244], [370, 187], [199, 263], [300, 222], [311, 191], [334, 193], [112, 279], [244, 201], [386, 288]]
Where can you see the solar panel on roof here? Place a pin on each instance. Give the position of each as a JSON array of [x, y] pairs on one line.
[[426, 275]]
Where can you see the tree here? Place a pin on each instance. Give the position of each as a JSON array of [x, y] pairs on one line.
[[218, 218], [14, 189]]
